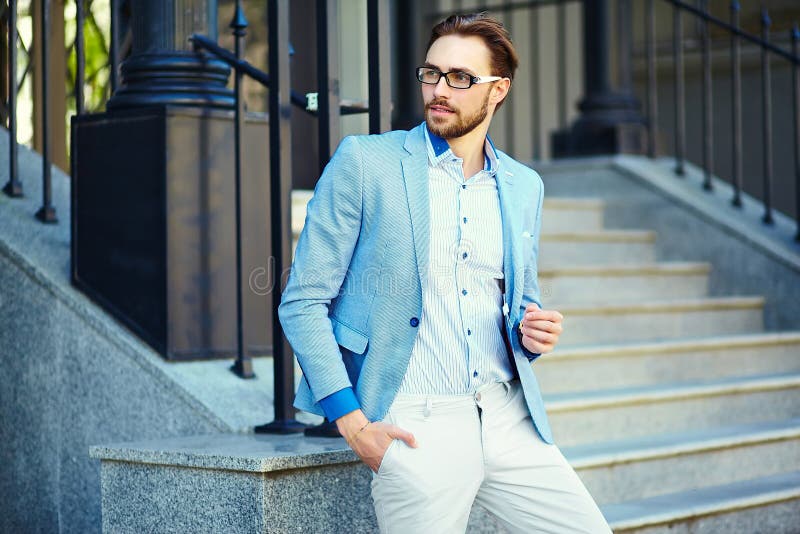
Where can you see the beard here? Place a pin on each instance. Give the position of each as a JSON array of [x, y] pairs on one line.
[[462, 125]]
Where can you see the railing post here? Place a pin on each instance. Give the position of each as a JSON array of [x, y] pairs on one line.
[[327, 79], [536, 84], [766, 112], [47, 213], [280, 155], [708, 125], [380, 104], [795, 35], [13, 187], [736, 100], [652, 95], [243, 366], [80, 56], [113, 48], [561, 66], [328, 87], [680, 98]]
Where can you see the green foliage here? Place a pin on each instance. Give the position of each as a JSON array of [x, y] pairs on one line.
[[96, 88]]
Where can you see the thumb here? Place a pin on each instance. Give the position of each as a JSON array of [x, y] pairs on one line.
[[404, 435]]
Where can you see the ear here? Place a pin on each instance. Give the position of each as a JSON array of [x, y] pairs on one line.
[[500, 90]]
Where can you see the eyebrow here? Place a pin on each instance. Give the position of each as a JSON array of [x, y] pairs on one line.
[[452, 69]]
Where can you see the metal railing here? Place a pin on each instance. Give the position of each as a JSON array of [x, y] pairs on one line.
[[768, 51]]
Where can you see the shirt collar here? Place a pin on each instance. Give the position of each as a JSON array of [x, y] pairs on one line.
[[439, 150]]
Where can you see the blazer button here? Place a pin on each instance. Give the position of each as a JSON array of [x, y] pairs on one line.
[[414, 322]]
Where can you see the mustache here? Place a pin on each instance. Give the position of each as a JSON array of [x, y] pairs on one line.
[[440, 102]]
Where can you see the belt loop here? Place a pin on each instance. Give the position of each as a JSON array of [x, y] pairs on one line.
[[428, 405]]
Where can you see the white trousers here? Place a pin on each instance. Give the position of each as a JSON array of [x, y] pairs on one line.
[[477, 448]]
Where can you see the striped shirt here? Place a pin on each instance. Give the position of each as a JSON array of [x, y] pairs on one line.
[[460, 345]]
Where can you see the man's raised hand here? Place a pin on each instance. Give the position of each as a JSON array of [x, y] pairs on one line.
[[540, 329]]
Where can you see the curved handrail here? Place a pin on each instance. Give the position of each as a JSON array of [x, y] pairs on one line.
[[733, 29], [305, 102]]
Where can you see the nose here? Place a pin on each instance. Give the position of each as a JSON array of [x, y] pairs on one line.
[[441, 88]]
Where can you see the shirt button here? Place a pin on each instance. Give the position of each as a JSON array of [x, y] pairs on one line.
[[465, 220], [475, 373], [469, 332], [463, 186], [463, 291], [414, 322], [464, 255]]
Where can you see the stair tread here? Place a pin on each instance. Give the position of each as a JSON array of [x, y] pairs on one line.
[[638, 394], [759, 339], [574, 203], [675, 443], [634, 236], [702, 501], [627, 269], [652, 306]]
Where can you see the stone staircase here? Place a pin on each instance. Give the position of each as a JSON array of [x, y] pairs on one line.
[[678, 411]]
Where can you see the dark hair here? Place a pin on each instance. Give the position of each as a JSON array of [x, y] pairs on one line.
[[495, 36]]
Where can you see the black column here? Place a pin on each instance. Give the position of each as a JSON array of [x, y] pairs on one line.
[[162, 68], [610, 121]]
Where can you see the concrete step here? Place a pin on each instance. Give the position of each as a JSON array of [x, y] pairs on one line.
[[609, 414], [623, 283], [647, 321], [560, 214], [767, 504], [668, 463], [591, 248], [596, 248], [572, 215], [618, 366]]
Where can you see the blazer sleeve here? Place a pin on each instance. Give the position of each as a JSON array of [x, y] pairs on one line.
[[321, 261], [530, 290]]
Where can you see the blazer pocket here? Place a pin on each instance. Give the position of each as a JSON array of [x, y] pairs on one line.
[[352, 340]]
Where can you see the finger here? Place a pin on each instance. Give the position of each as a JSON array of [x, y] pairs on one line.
[[544, 315], [532, 307], [540, 348], [541, 337], [398, 433], [544, 326]]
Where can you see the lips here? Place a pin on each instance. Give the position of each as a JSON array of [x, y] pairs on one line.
[[437, 109], [441, 109]]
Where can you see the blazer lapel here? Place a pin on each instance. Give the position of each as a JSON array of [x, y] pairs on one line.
[[415, 175], [513, 268]]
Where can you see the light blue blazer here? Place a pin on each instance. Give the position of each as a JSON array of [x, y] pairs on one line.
[[353, 300]]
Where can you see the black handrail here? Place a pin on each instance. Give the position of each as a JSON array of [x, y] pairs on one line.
[[299, 100], [735, 30], [503, 8]]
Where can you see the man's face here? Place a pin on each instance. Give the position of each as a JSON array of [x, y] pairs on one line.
[[450, 112]]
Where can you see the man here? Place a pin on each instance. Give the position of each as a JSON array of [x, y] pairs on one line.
[[413, 308]]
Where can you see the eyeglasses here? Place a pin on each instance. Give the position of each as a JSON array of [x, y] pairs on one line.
[[455, 78]]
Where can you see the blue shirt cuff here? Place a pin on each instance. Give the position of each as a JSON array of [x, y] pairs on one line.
[[528, 354], [340, 403]]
